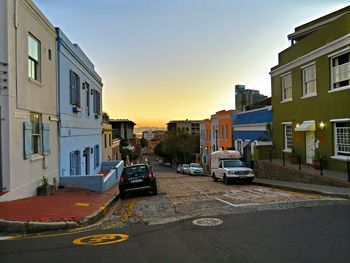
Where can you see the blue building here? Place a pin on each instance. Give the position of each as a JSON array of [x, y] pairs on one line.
[[80, 115], [252, 128]]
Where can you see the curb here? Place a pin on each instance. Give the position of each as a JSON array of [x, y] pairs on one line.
[[303, 190], [36, 227]]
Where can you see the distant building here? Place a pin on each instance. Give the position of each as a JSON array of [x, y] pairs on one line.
[[246, 97], [205, 143], [221, 130], [190, 126], [153, 139], [122, 129]]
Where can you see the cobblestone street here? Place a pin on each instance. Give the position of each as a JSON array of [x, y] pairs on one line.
[[183, 196]]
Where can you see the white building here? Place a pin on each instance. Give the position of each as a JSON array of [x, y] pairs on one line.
[[28, 108]]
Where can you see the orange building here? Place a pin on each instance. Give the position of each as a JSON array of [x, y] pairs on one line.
[[224, 129]]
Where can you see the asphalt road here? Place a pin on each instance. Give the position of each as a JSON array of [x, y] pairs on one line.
[[259, 224], [316, 234]]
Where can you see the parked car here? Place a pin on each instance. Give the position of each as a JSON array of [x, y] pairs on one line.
[[167, 164], [185, 168], [195, 168], [136, 178]]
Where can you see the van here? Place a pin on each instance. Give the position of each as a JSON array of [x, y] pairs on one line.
[[226, 165]]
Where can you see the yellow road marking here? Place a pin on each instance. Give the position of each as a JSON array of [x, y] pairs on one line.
[[128, 213], [49, 235], [101, 239], [82, 204]]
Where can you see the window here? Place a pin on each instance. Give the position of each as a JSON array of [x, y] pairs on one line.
[[33, 58], [97, 102], [342, 138], [49, 54], [110, 139], [35, 120], [309, 80], [105, 140], [287, 87], [222, 132], [75, 168], [340, 71], [288, 137], [226, 132], [74, 89]]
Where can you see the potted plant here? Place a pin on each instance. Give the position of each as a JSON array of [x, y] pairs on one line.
[[316, 160], [293, 157], [45, 187]]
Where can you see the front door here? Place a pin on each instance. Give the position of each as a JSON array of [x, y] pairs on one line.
[[310, 146]]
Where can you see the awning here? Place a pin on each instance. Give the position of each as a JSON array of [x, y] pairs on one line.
[[306, 126]]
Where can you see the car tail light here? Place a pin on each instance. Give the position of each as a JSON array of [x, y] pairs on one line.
[[122, 178], [150, 174]]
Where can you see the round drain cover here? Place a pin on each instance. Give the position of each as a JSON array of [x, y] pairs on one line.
[[207, 222]]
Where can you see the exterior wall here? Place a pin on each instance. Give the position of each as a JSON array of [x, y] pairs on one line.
[[20, 176], [214, 123], [225, 130], [326, 105], [107, 142], [78, 130]]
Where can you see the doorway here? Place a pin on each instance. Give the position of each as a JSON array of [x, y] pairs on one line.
[[310, 145], [87, 161]]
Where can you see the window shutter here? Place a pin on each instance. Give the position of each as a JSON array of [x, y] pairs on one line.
[[71, 92], [46, 138], [72, 163], [78, 163], [98, 155], [88, 99], [78, 90], [27, 139], [94, 100]]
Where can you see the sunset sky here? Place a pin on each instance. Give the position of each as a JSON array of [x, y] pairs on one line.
[[163, 60]]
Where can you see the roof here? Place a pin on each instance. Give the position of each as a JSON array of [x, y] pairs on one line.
[[121, 121]]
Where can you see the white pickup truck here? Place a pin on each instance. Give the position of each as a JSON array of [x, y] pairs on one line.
[[227, 166]]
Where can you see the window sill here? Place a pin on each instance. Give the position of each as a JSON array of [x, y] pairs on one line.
[[36, 82], [309, 96], [36, 157], [287, 150], [340, 158], [339, 89], [286, 100]]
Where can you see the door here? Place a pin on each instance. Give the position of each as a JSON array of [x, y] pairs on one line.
[[310, 146]]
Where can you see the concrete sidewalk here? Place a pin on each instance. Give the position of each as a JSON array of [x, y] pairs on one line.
[[341, 192], [67, 208]]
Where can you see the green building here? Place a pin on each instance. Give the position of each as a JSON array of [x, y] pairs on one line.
[[311, 92]]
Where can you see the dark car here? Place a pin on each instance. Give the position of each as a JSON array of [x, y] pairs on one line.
[[137, 178]]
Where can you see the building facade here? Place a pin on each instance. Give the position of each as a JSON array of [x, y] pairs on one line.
[[205, 143], [311, 92], [245, 97], [107, 142], [122, 129], [80, 93], [225, 134], [28, 107], [189, 126]]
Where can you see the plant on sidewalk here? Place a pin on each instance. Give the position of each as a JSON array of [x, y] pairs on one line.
[[45, 187]]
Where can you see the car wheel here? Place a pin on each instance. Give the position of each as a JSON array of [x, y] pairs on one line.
[[155, 191], [214, 177], [122, 195], [226, 180]]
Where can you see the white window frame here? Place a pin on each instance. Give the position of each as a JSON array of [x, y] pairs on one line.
[[34, 65], [38, 136], [334, 56], [338, 154], [286, 138], [284, 89], [306, 82]]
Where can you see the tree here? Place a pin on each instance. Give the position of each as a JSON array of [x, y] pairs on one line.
[[143, 143]]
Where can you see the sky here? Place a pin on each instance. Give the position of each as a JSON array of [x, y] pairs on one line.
[[163, 60]]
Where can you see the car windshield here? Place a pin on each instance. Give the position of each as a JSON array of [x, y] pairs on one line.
[[195, 165], [140, 169], [233, 163], [186, 165]]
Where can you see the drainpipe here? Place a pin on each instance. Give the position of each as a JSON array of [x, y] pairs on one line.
[[58, 101]]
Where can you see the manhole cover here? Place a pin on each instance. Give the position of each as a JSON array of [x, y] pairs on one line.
[[207, 222]]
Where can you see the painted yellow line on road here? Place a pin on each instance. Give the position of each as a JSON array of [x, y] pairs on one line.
[[101, 239], [49, 235], [82, 204], [128, 213]]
